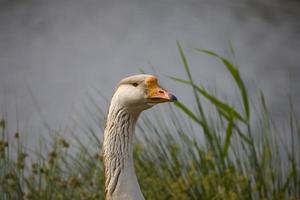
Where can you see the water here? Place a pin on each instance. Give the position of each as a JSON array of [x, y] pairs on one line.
[[53, 52]]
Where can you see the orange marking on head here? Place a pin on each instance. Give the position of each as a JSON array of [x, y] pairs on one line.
[[152, 85], [151, 82]]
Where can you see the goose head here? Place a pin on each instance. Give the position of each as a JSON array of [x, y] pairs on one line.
[[140, 92]]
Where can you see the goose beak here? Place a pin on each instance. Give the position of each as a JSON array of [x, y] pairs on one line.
[[160, 95], [156, 94]]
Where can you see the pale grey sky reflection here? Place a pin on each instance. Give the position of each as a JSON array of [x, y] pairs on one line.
[[60, 49]]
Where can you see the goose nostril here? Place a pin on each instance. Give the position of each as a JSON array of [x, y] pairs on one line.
[[161, 92]]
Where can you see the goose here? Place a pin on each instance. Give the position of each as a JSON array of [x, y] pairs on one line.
[[133, 95]]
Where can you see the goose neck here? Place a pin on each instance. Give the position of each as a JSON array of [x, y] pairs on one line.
[[120, 178]]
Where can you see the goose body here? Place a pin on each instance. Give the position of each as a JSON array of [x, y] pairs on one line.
[[133, 95]]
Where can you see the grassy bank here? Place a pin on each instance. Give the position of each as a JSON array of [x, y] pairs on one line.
[[199, 153]]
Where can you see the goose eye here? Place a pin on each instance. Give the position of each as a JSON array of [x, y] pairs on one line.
[[135, 84]]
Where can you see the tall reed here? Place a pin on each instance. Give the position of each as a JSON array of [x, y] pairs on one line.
[[181, 152]]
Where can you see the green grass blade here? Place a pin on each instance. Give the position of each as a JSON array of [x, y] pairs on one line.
[[229, 131], [187, 69], [218, 103], [180, 80], [236, 76], [231, 48], [188, 112], [184, 61], [221, 105]]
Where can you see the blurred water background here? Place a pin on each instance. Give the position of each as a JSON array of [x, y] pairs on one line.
[[54, 53]]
